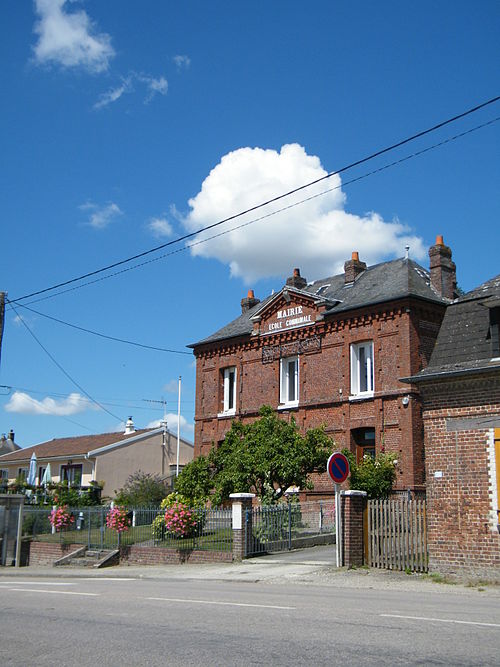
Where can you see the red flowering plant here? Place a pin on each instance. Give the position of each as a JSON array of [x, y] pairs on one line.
[[61, 518], [118, 519], [180, 521]]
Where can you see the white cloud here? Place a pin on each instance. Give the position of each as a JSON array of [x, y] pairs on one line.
[[25, 404], [182, 62], [172, 387], [186, 426], [317, 236], [160, 227], [114, 94], [101, 216], [69, 39], [129, 84]]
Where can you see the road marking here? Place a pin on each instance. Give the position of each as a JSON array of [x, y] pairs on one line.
[[36, 583], [441, 620], [108, 579], [45, 590], [228, 604]]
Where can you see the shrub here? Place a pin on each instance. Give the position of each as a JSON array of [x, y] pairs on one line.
[[142, 490], [375, 475]]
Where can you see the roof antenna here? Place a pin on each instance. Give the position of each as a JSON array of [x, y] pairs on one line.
[[407, 251]]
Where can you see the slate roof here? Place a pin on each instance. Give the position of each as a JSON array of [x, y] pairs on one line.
[[463, 344], [387, 281], [75, 446]]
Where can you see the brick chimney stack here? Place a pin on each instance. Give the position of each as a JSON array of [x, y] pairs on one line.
[[249, 302], [443, 269], [353, 268], [296, 280]]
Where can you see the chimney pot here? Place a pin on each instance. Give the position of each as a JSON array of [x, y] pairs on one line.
[[353, 268], [249, 302], [442, 269], [296, 280], [11, 435]]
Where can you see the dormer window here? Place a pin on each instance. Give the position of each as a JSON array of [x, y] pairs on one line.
[[494, 331]]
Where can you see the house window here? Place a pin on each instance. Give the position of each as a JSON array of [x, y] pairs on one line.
[[362, 369], [4, 476], [71, 474], [289, 381], [22, 474], [364, 439], [229, 391]]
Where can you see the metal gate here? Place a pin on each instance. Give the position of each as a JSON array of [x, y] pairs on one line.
[[397, 535], [272, 528]]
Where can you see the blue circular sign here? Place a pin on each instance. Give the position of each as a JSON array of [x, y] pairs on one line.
[[338, 467]]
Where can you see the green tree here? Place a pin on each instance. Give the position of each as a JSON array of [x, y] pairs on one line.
[[264, 457], [194, 482], [375, 475], [142, 489]]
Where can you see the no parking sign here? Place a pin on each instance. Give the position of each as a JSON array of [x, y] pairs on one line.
[[338, 467]]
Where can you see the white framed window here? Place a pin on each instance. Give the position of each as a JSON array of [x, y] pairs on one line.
[[289, 381], [362, 369], [229, 391]]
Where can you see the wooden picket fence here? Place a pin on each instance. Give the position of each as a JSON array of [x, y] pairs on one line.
[[397, 534]]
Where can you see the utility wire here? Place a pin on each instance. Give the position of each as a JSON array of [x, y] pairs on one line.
[[356, 163], [275, 212], [62, 369], [96, 333]]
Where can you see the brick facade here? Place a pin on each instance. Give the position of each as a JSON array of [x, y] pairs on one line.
[[403, 334], [462, 493], [46, 553]]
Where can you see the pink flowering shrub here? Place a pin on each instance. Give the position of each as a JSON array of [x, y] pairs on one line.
[[117, 519], [180, 520], [61, 517]]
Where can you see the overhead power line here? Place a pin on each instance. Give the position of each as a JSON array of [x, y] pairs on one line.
[[62, 369], [356, 163], [101, 335], [275, 212]]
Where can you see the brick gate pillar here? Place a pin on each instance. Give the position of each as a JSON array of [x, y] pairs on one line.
[[353, 504], [241, 528]]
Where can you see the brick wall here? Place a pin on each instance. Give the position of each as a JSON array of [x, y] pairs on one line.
[[46, 553], [462, 498], [135, 555], [403, 335]]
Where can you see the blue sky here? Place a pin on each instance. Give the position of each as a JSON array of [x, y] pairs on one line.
[[126, 125]]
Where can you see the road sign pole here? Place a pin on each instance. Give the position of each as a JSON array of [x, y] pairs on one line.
[[338, 526]]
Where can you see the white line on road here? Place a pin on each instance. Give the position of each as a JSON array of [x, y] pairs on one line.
[[36, 583], [108, 579], [229, 604], [441, 620], [45, 590]]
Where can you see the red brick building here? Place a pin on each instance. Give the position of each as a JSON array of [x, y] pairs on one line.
[[461, 408], [331, 352]]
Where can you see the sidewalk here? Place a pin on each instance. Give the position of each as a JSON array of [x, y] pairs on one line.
[[313, 566]]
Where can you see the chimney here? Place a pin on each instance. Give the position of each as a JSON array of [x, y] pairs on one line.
[[11, 435], [443, 269], [249, 302], [353, 268], [129, 426], [296, 280]]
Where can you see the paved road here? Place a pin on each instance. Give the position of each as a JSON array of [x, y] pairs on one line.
[[177, 617]]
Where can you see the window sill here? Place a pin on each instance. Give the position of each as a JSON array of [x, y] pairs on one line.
[[288, 406], [362, 397], [226, 415]]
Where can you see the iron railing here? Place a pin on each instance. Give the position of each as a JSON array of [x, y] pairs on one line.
[[147, 528]]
